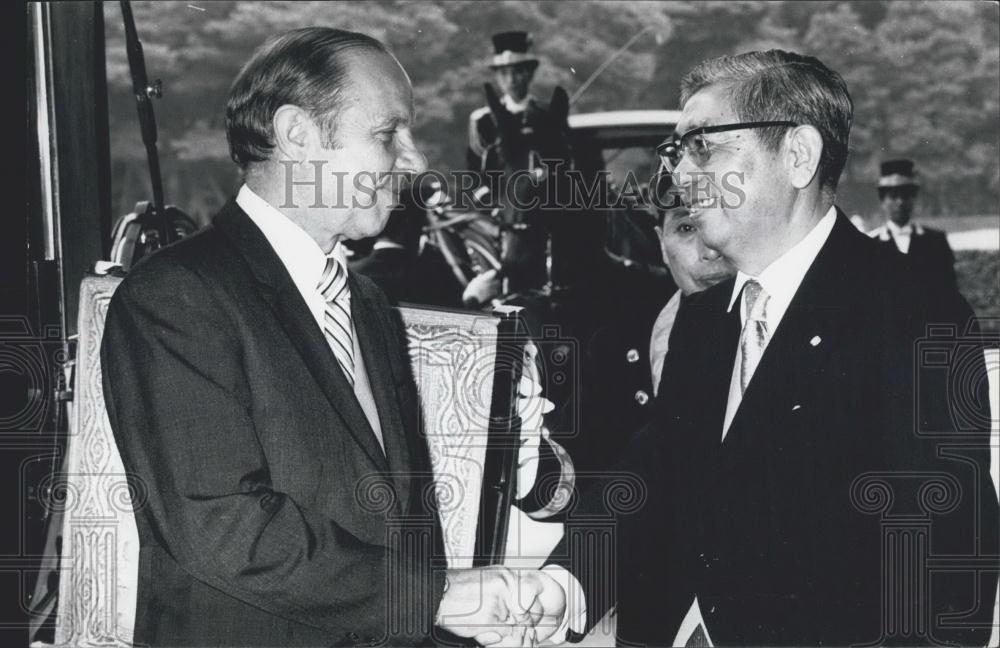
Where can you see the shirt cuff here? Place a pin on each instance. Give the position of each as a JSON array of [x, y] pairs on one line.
[[575, 617]]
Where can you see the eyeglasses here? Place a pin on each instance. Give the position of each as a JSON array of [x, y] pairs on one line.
[[694, 143]]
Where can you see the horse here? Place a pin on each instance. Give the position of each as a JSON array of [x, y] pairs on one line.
[[571, 251], [552, 224]]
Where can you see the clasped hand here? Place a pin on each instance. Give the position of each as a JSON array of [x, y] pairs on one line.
[[498, 606]]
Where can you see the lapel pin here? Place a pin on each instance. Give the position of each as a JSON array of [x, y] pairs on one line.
[[815, 340]]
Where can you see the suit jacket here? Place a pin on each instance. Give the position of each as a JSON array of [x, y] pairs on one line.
[[616, 391], [268, 513], [406, 277], [785, 530], [483, 133], [929, 256]]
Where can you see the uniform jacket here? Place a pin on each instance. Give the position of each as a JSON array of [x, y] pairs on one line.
[[483, 133], [929, 256], [268, 513]]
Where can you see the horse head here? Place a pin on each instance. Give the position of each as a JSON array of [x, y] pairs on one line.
[[526, 147]]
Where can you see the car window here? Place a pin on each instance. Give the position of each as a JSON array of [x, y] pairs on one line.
[[640, 162]]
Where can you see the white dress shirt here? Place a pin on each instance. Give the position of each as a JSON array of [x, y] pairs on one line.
[[305, 261], [900, 235], [659, 340]]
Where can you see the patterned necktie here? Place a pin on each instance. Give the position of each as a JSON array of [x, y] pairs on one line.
[[337, 316], [754, 337]]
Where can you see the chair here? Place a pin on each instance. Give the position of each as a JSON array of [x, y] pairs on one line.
[[472, 436]]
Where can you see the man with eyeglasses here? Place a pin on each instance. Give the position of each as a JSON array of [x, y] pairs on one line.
[[782, 494], [927, 249]]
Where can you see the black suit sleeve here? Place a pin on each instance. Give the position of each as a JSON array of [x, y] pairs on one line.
[[948, 261], [179, 404], [950, 439], [618, 541]]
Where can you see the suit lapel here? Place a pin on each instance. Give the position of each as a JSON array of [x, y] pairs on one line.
[[808, 332], [721, 354], [373, 337], [291, 311]]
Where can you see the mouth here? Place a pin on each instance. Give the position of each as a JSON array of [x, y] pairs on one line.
[[712, 279], [697, 207], [389, 191], [383, 182], [704, 203]]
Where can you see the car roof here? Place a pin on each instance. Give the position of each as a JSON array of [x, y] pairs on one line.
[[624, 128]]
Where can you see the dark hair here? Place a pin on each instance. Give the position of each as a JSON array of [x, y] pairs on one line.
[[778, 85], [303, 67]]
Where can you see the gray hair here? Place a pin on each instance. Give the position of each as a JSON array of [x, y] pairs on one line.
[[303, 67], [778, 85]]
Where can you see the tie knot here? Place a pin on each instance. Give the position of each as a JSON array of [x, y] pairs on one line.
[[333, 283], [756, 301]]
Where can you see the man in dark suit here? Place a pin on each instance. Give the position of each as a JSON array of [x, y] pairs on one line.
[[926, 249], [783, 493], [260, 396]]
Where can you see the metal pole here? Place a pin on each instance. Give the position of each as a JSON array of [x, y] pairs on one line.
[[604, 66]]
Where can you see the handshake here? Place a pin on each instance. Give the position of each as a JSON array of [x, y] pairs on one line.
[[501, 607]]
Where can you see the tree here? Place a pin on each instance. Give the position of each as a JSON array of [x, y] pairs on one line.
[[924, 76]]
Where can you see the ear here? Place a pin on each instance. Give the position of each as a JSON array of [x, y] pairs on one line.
[[659, 239], [559, 106], [293, 129], [805, 147]]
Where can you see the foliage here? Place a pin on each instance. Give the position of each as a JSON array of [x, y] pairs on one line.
[[978, 274], [924, 76]]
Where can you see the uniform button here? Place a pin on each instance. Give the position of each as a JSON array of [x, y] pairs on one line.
[[641, 397], [632, 355]]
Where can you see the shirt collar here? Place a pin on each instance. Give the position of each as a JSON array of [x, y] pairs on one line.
[[387, 245], [300, 254], [781, 279], [897, 230], [516, 106], [909, 229]]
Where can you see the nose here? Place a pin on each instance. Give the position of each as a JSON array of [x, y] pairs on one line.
[[410, 159], [707, 253], [682, 173]]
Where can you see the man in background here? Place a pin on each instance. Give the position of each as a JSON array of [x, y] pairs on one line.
[[694, 267], [926, 249], [513, 67]]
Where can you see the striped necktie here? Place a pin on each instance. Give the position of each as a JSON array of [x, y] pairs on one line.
[[337, 315], [755, 335]]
